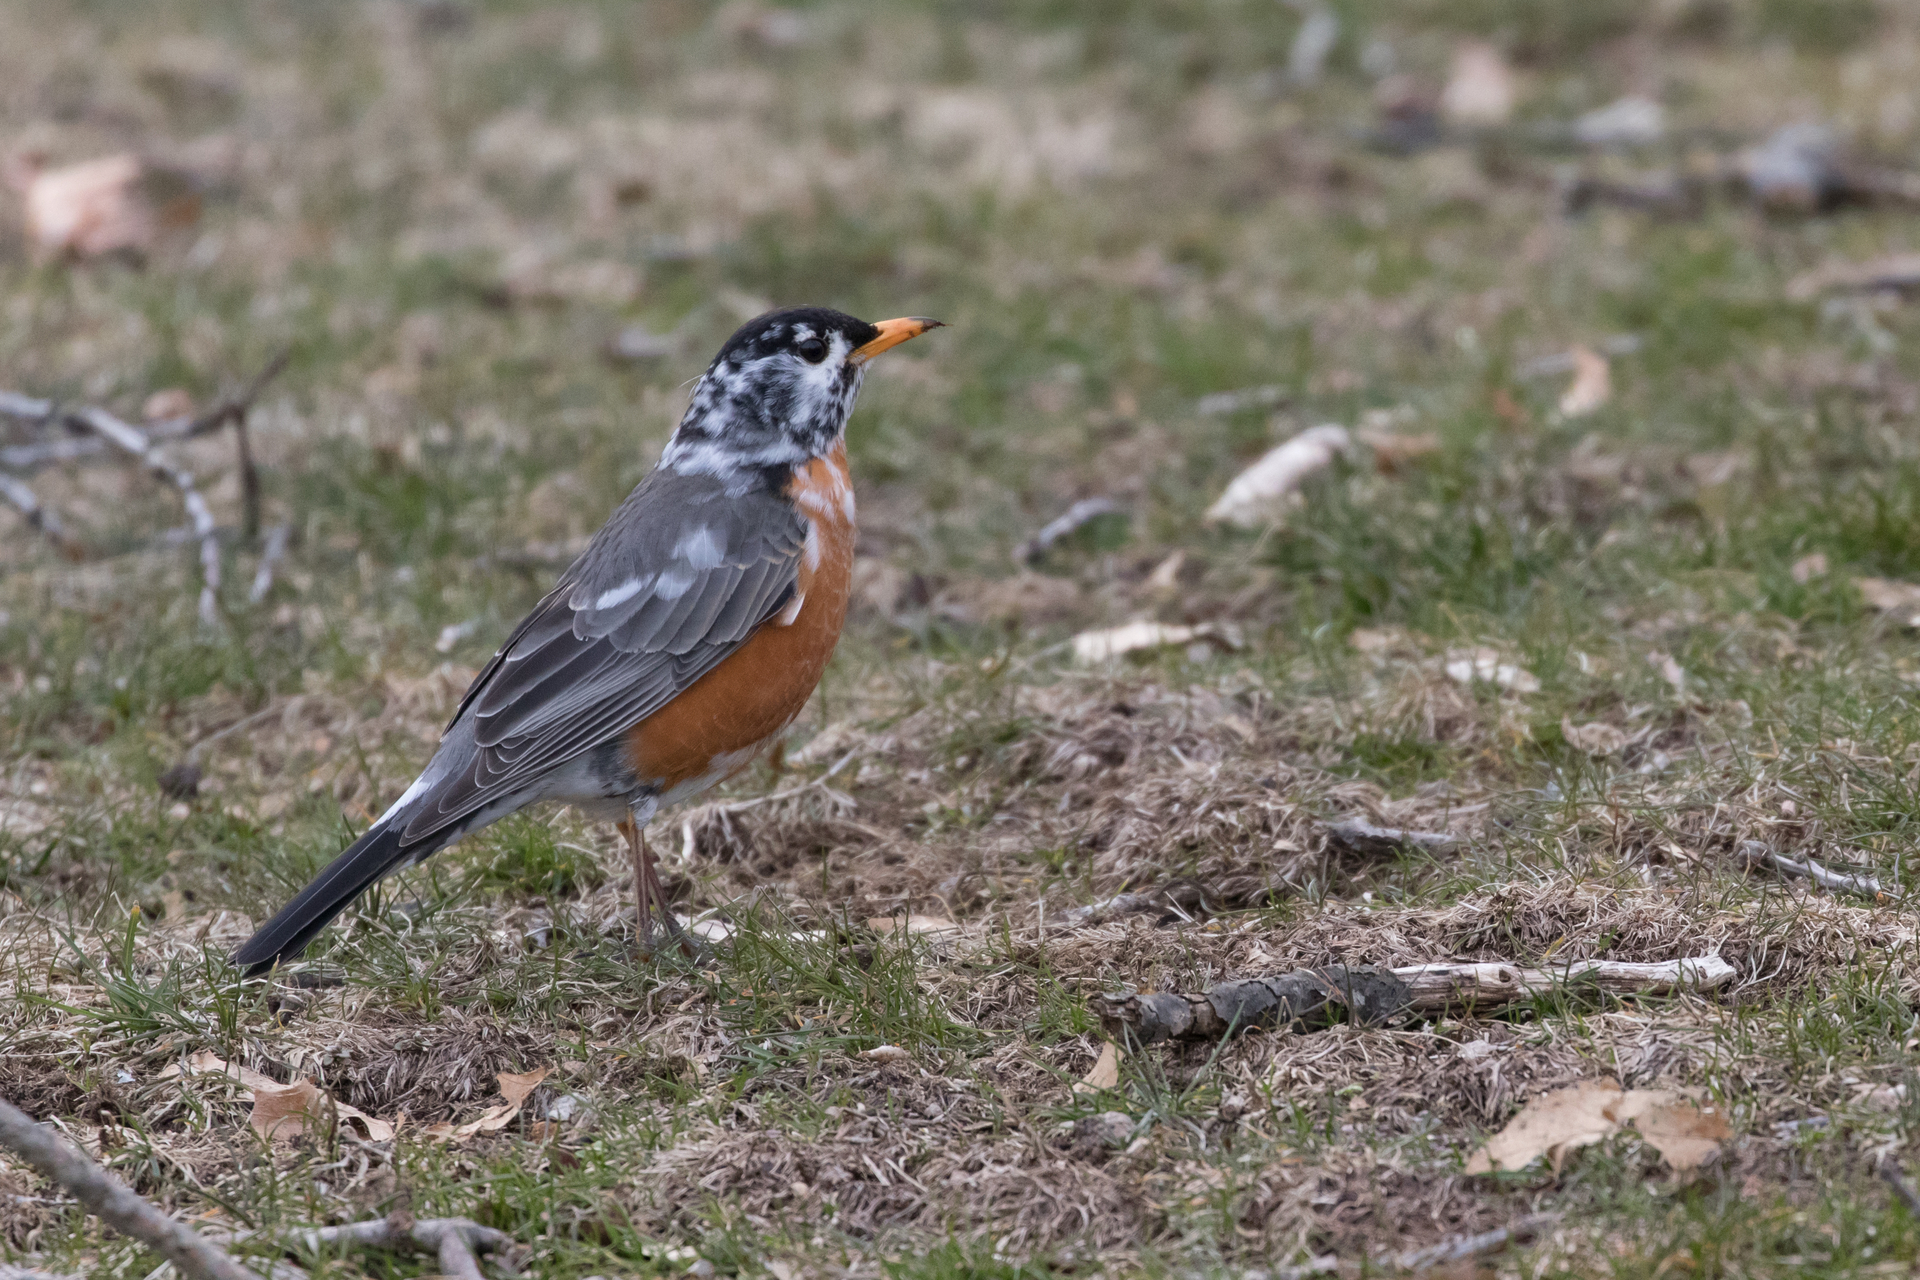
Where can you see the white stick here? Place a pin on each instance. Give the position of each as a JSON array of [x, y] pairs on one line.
[[134, 441], [270, 557], [1756, 854], [1437, 987], [1364, 837], [22, 496]]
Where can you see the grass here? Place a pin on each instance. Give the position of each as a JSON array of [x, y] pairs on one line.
[[445, 213]]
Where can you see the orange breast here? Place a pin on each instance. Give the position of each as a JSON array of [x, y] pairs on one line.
[[727, 716]]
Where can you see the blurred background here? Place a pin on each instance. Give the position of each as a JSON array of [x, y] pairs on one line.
[[1583, 329], [497, 240]]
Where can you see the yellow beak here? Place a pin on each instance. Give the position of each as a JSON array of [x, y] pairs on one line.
[[892, 334]]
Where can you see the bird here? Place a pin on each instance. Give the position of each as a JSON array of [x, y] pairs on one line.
[[681, 645]]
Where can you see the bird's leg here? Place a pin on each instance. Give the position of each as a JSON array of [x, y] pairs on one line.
[[649, 896], [642, 916]]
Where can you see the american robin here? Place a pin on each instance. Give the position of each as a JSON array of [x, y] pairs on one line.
[[678, 647]]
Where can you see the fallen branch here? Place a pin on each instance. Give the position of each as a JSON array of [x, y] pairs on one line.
[[21, 495], [1356, 836], [1081, 513], [106, 433], [271, 555], [1126, 904], [1755, 854], [31, 457], [1309, 999], [131, 439], [110, 1200]]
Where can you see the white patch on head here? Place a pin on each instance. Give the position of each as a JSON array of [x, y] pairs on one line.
[[819, 386], [621, 594], [725, 439], [672, 584], [700, 548]]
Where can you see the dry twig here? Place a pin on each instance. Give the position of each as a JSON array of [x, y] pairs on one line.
[[21, 495], [1755, 854], [108, 432], [271, 555], [1357, 836], [130, 438], [109, 1199], [1311, 998], [1079, 514], [31, 457]]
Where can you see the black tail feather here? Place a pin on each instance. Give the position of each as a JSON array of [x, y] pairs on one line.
[[347, 877]]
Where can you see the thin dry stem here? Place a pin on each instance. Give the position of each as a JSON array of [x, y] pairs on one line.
[[109, 1199]]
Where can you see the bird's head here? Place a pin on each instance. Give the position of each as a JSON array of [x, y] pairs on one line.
[[780, 390]]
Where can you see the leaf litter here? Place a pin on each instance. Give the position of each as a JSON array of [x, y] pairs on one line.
[[1684, 1132], [994, 787]]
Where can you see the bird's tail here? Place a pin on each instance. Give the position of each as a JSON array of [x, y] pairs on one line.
[[373, 855]]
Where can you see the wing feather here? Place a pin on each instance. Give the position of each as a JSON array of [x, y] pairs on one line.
[[686, 578]]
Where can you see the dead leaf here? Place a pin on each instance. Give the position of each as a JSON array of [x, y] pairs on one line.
[[1807, 568], [1595, 739], [89, 209], [1889, 595], [1551, 1125], [1165, 578], [1469, 665], [282, 1113], [1393, 450], [1480, 90], [1669, 670], [278, 1109], [1554, 1124], [1592, 384], [514, 1090], [1376, 639], [206, 1062], [1685, 1134], [887, 1053], [1101, 646], [173, 402], [1256, 496], [1105, 1073], [1507, 409]]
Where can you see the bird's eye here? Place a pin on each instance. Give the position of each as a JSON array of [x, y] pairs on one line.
[[812, 350]]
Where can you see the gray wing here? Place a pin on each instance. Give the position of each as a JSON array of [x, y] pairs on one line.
[[678, 579]]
